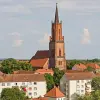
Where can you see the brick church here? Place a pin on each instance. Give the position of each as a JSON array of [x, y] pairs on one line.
[[55, 56]]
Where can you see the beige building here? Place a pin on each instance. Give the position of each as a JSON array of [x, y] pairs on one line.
[[76, 83], [34, 85]]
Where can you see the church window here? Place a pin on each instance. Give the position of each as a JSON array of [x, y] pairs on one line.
[[59, 52], [59, 34]]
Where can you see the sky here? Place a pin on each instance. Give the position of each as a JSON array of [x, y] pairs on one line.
[[25, 26]]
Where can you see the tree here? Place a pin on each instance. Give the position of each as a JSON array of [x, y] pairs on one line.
[[57, 76], [90, 69], [71, 63], [96, 83], [12, 94], [49, 81], [84, 97], [10, 65]]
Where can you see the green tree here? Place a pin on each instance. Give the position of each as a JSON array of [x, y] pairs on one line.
[[12, 94], [10, 65], [49, 81], [96, 83], [90, 69], [57, 76], [71, 63]]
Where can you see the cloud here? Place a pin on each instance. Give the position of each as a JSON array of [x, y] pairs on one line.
[[21, 9], [86, 37], [80, 5], [16, 39], [17, 43], [44, 40]]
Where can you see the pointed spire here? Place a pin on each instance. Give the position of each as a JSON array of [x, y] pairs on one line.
[[56, 15]]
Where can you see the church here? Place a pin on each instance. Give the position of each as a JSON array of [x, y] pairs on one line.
[[55, 56]]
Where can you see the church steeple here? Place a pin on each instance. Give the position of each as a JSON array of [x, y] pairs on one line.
[[56, 15]]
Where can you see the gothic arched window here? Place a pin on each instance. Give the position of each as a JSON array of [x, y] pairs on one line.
[[59, 52]]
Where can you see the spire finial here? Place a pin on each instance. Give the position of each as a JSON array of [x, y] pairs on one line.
[[56, 15]]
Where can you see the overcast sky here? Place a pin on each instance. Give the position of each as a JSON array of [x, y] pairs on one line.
[[25, 26]]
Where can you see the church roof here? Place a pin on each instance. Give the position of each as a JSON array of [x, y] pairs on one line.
[[55, 93], [38, 62], [42, 54]]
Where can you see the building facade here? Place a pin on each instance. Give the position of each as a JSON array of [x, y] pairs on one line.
[[76, 83], [56, 45], [31, 84]]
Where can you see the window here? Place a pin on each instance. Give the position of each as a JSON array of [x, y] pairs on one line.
[[8, 84], [30, 93], [60, 62], [3, 84], [30, 83], [35, 88], [82, 86], [78, 86], [78, 81], [82, 91], [59, 34], [35, 83], [23, 83], [30, 88], [15, 83], [35, 93], [82, 81], [59, 52]]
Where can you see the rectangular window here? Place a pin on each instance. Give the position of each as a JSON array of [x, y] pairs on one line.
[[82, 81], [30, 83], [35, 93], [15, 83], [30, 88], [82, 86], [78, 86], [35, 88], [30, 93], [78, 81], [3, 84], [35, 83], [23, 83], [8, 84], [82, 91]]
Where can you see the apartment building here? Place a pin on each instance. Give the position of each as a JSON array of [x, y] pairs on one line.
[[76, 83], [29, 83]]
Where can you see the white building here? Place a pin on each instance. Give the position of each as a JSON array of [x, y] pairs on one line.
[[76, 83], [33, 84]]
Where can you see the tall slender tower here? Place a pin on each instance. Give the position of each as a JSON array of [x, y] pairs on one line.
[[56, 45]]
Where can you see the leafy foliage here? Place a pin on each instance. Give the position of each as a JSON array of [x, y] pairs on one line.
[[55, 79], [50, 81], [10, 65], [57, 76], [12, 94], [96, 83]]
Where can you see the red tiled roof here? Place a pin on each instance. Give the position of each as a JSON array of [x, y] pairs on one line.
[[93, 65], [80, 75], [38, 62], [41, 54], [43, 71], [79, 67], [22, 78], [55, 93]]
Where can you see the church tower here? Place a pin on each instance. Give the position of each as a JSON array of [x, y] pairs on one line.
[[56, 45]]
